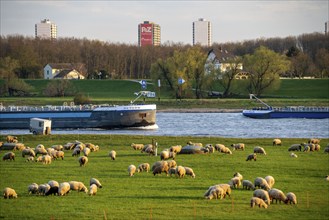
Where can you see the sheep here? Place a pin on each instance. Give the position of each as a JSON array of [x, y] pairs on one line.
[[293, 155], [239, 146], [50, 150], [237, 174], [33, 188], [76, 152], [52, 191], [259, 150], [42, 151], [40, 146], [68, 146], [218, 147], [92, 189], [143, 167], [86, 151], [9, 156], [112, 154], [251, 157], [9, 193], [276, 142], [19, 147], [180, 172], [96, 182], [257, 201], [189, 171], [195, 144], [11, 139], [64, 188], [157, 170], [171, 163], [53, 183], [262, 194], [80, 146], [159, 167], [92, 147], [326, 150], [248, 185], [165, 155], [46, 159], [28, 151], [307, 149], [215, 191], [270, 181], [314, 141], [317, 147], [261, 183], [225, 150], [327, 178], [291, 198], [137, 146], [78, 186], [210, 148], [176, 149], [131, 170], [163, 164], [235, 182], [149, 150], [276, 194], [295, 147], [43, 188], [58, 154], [29, 159], [145, 147], [172, 171], [227, 189], [57, 147], [83, 160]]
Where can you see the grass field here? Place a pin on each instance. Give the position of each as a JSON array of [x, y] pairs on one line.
[[145, 196]]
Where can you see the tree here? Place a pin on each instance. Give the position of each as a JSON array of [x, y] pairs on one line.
[[16, 87], [60, 87], [301, 64], [264, 67], [322, 61]]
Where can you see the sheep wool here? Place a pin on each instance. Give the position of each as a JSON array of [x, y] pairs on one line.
[[64, 189], [293, 155], [171, 163], [295, 147], [276, 194], [112, 154], [259, 150], [11, 139], [165, 155], [261, 183], [53, 183], [257, 201], [86, 151], [227, 189], [172, 171], [92, 189], [9, 193], [252, 157], [78, 186], [137, 146], [33, 188], [246, 184], [176, 149], [314, 141], [189, 171], [262, 194], [83, 160], [9, 156], [235, 183], [216, 192], [276, 142], [239, 146], [143, 167], [96, 182], [291, 197], [180, 172], [270, 181], [131, 170], [46, 159]]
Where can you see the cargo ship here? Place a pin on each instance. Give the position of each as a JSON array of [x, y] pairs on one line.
[[81, 116], [268, 111]]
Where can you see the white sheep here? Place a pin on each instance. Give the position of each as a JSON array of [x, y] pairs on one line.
[[252, 156], [210, 148], [314, 141], [176, 149], [259, 150], [189, 171], [64, 189], [291, 198], [295, 147], [171, 163], [92, 189], [91, 146], [9, 193], [58, 154], [46, 159], [235, 182], [53, 183], [40, 150], [149, 150], [293, 155], [277, 142], [76, 152], [215, 191], [8, 156], [57, 147], [29, 159], [237, 174], [33, 188], [257, 201], [131, 170], [270, 181], [262, 194], [78, 186], [218, 147], [137, 146], [227, 189], [180, 171], [165, 155], [317, 147], [276, 194], [11, 139], [96, 182], [246, 184], [43, 188], [195, 144], [143, 167], [28, 151], [172, 171], [327, 177], [239, 146], [112, 154], [160, 163], [83, 160], [261, 183], [86, 151], [225, 150]]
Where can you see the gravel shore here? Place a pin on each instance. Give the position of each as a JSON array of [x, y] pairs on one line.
[[199, 110]]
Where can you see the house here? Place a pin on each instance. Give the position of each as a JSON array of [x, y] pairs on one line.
[[63, 71]]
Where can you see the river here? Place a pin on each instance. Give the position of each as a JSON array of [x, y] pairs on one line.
[[215, 125]]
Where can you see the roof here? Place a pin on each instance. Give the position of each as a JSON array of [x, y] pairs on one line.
[[221, 54], [63, 73], [61, 65]]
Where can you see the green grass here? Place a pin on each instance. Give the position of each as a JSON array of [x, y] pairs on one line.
[[145, 196]]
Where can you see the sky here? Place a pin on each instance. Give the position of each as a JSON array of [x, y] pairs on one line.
[[117, 21]]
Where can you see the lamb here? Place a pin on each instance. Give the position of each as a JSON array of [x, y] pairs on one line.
[[259, 150], [248, 185], [11, 139], [189, 171], [216, 192], [96, 182], [112, 154], [262, 194], [251, 157], [58, 154], [295, 147], [270, 181], [257, 201], [276, 194], [227, 189], [143, 167], [131, 170], [165, 155], [235, 182], [86, 151], [78, 186], [293, 155], [276, 142], [291, 198], [33, 188], [137, 146], [83, 160], [46, 159], [180, 172], [64, 189], [92, 189], [314, 141], [176, 149], [171, 163], [9, 156], [261, 183], [9, 193], [28, 151], [239, 146]]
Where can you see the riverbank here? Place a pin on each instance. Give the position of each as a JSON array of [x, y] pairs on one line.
[[199, 110]]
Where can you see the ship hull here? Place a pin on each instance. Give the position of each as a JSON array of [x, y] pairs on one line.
[[267, 114]]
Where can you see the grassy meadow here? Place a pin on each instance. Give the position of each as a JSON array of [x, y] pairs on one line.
[[145, 196]]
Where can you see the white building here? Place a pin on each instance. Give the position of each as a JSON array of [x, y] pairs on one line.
[[46, 30], [202, 32], [61, 71]]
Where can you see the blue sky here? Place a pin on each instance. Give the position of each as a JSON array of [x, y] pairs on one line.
[[117, 21]]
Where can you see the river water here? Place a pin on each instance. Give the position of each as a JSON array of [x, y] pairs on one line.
[[216, 125]]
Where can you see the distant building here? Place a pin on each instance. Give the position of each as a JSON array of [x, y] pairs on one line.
[[62, 71], [202, 32], [149, 33], [326, 27], [46, 30]]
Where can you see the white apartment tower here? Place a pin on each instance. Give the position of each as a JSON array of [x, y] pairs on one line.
[[202, 32], [46, 30]]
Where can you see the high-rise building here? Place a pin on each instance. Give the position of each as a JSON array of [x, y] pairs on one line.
[[326, 28], [149, 33], [202, 32], [46, 29]]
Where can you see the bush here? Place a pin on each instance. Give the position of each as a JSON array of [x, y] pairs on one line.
[[81, 99]]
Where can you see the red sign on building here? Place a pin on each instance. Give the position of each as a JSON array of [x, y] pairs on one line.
[[146, 34]]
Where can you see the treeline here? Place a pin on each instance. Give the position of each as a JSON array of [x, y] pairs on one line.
[[26, 56]]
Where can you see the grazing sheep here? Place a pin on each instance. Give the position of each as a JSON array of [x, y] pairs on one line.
[[96, 182], [295, 147], [149, 149], [195, 144], [291, 198], [326, 150], [92, 189], [237, 174], [29, 159], [143, 167], [58, 154], [50, 150], [9, 156], [259, 150], [225, 150], [270, 181], [262, 194], [327, 178], [246, 184], [131, 170], [216, 192], [261, 183], [251, 157], [39, 159], [172, 171], [91, 146], [176, 149], [165, 155], [9, 193], [317, 147], [33, 188], [276, 194], [159, 167], [171, 163], [41, 151], [43, 188], [314, 141], [46, 159], [180, 172], [239, 146], [257, 201], [189, 171], [227, 189], [19, 147], [83, 160], [137, 146], [235, 182], [160, 163], [210, 148], [146, 146], [293, 155], [76, 152], [11, 139], [57, 147], [218, 147], [157, 170], [78, 186], [28, 151], [112, 154], [86, 151], [307, 149], [53, 183], [64, 189], [52, 191], [276, 142]]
